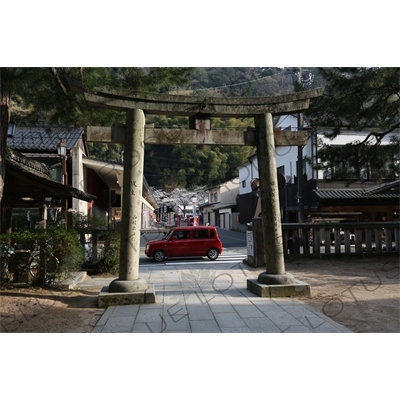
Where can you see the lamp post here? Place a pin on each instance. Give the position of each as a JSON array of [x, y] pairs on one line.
[[11, 129], [62, 152]]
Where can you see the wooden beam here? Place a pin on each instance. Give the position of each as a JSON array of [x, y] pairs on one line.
[[184, 109], [192, 136], [105, 134], [159, 103]]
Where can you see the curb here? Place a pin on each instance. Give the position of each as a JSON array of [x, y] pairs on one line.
[[75, 278]]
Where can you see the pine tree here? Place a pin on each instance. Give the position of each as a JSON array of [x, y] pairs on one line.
[[43, 94], [359, 99]]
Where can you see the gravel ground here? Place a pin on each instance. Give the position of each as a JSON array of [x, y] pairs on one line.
[[360, 293]]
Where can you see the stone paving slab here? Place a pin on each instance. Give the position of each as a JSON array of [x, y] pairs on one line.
[[198, 297]]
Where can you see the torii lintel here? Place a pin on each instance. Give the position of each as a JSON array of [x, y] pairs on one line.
[[224, 137], [182, 105]]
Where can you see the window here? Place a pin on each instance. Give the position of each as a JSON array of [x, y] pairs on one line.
[[243, 183], [200, 234], [281, 170], [182, 234]]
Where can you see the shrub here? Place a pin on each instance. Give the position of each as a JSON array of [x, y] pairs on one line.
[[60, 251], [107, 235], [110, 261]]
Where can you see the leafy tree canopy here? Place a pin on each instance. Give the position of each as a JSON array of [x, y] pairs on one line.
[[41, 94], [241, 81], [359, 99]]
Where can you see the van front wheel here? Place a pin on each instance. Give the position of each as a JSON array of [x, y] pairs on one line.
[[159, 255], [212, 254]]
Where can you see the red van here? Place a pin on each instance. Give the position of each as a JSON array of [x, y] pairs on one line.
[[186, 241]]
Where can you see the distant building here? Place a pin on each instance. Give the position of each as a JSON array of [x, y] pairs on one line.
[[314, 182], [103, 180], [222, 202]]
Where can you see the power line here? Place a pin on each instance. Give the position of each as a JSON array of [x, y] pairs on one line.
[[241, 83]]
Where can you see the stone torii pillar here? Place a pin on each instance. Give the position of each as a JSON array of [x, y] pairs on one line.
[[271, 221], [128, 280]]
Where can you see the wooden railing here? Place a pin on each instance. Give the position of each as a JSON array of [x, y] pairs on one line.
[[362, 238]]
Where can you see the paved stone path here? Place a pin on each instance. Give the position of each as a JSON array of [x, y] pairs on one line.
[[202, 296]]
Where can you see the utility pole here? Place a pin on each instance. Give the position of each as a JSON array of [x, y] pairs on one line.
[[300, 178], [62, 152]]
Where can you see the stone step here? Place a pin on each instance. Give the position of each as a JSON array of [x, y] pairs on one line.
[[73, 280]]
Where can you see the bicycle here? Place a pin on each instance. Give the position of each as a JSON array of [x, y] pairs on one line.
[[6, 254], [50, 267], [44, 264], [13, 262]]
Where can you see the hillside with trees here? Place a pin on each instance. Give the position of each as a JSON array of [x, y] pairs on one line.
[[168, 167], [354, 98], [42, 94]]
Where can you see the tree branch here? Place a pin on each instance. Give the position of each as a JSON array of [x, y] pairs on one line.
[[379, 136], [54, 73]]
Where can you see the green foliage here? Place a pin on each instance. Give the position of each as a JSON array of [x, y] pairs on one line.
[[356, 161], [167, 121], [359, 99], [60, 243], [110, 262], [92, 224], [168, 167], [179, 166], [65, 245], [83, 223], [44, 92], [103, 151], [241, 81], [158, 80], [24, 239]]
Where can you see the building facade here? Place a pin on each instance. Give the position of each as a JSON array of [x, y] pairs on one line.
[[305, 195], [102, 179], [222, 203]]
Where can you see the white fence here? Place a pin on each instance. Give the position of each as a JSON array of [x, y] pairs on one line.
[[342, 238]]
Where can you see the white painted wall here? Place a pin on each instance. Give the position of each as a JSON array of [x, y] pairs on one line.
[[247, 172], [78, 179], [287, 156]]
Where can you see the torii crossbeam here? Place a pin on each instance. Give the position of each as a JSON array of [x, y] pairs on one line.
[[200, 110]]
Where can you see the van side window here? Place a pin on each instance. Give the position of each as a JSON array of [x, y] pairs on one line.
[[200, 234], [212, 233], [182, 234]]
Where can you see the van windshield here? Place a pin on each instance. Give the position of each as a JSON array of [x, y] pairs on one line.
[[168, 234]]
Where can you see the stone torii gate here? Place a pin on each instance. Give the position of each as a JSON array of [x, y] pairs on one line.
[[129, 286]]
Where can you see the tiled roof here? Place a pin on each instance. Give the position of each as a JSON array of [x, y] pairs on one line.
[[34, 167], [388, 190], [42, 138], [39, 173], [395, 185]]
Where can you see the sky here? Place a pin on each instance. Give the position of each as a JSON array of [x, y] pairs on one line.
[[198, 34]]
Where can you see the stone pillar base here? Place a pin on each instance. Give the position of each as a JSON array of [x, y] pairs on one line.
[[128, 286], [276, 279], [107, 298], [298, 288]]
